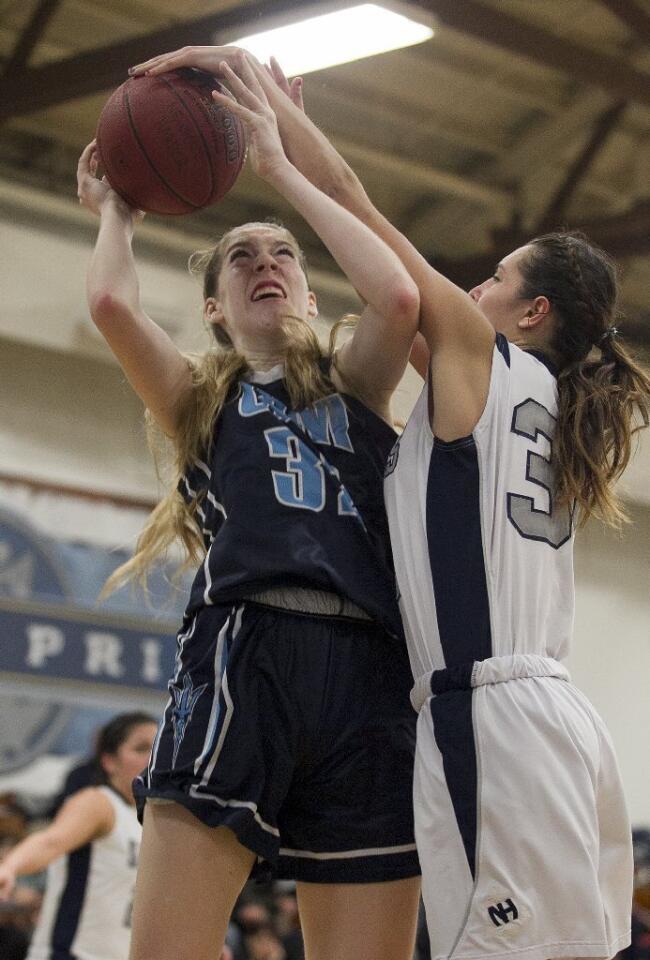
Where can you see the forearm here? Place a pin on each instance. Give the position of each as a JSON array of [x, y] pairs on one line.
[[372, 268], [320, 162], [112, 276], [33, 854], [315, 156]]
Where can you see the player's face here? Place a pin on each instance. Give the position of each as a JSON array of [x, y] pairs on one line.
[[498, 297], [261, 282], [131, 756]]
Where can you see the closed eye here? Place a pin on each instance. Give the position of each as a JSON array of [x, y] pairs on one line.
[[236, 254], [287, 251]]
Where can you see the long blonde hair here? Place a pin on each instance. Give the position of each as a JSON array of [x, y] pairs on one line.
[[603, 393], [214, 377]]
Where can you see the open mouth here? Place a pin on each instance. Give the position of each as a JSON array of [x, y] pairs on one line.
[[268, 291]]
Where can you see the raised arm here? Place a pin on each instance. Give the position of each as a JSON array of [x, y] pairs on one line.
[[459, 339], [152, 363], [86, 816], [373, 362]]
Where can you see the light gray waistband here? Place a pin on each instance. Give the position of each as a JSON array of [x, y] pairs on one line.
[[318, 603], [518, 666]]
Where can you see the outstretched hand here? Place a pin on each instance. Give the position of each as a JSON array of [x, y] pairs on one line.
[[92, 191], [250, 103], [292, 89], [208, 59]]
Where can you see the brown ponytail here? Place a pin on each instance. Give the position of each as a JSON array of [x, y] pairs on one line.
[[603, 393]]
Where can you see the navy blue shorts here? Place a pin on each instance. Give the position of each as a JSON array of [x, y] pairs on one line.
[[297, 733]]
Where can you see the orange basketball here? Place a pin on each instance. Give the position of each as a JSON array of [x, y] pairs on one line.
[[166, 146]]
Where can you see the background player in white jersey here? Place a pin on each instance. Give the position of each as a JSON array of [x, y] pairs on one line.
[[288, 737], [91, 852], [522, 428]]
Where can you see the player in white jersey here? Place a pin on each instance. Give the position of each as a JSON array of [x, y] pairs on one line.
[[523, 425], [91, 852]]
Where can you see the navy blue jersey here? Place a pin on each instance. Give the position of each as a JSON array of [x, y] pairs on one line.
[[292, 497]]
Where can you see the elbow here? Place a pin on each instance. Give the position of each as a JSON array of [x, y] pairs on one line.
[[345, 187], [406, 304], [107, 309]]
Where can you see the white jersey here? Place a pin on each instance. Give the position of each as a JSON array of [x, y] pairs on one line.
[[520, 820], [86, 913], [483, 559]]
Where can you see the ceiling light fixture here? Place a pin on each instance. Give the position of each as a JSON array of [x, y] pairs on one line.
[[332, 38]]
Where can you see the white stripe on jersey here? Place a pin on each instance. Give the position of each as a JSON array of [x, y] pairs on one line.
[[219, 669], [228, 699]]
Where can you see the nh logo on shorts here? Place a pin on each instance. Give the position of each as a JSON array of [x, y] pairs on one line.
[[501, 913]]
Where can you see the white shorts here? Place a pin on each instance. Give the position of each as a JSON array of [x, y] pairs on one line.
[[520, 820]]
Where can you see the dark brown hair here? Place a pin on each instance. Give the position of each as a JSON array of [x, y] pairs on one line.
[[603, 393], [113, 734]]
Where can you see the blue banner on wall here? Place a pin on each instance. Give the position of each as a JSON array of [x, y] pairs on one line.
[[51, 624], [85, 657], [52, 640]]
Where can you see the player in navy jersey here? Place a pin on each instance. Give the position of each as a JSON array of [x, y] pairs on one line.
[[288, 737], [523, 425], [91, 852]]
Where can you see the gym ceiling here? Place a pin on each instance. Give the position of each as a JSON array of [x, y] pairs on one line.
[[518, 116]]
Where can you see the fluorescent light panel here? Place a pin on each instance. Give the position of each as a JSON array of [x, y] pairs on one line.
[[332, 38]]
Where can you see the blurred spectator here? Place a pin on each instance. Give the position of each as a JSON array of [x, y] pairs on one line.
[[251, 914], [287, 924], [17, 918], [13, 941], [13, 821], [263, 943]]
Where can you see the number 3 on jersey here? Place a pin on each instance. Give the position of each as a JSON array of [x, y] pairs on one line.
[[552, 526], [302, 483]]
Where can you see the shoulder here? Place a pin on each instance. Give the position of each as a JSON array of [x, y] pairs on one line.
[[94, 806], [378, 406], [532, 373]]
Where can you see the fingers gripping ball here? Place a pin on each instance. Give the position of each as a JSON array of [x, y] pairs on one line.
[[166, 146]]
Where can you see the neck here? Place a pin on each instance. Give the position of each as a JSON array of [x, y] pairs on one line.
[[124, 791], [263, 361]]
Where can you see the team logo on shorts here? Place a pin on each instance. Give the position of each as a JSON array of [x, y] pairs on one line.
[[391, 463], [502, 912], [184, 702]]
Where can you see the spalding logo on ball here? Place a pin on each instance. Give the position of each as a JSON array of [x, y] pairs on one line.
[[166, 146]]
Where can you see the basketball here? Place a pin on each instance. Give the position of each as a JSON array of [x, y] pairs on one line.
[[166, 147]]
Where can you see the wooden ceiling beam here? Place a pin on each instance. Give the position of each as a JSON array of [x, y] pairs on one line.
[[492, 25], [632, 15], [423, 176], [30, 36], [105, 67], [625, 235], [580, 167]]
